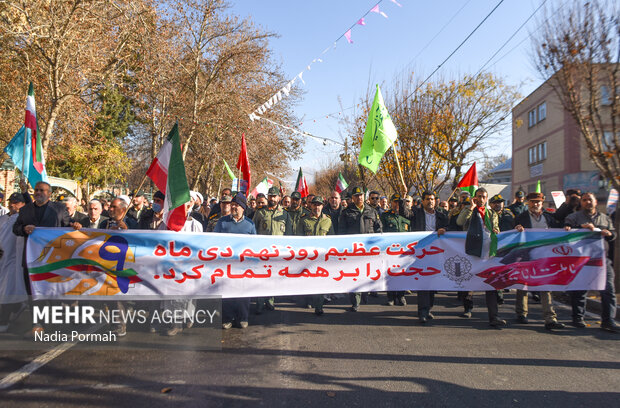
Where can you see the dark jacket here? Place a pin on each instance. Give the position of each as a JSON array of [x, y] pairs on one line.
[[55, 215], [131, 223], [418, 219], [352, 221], [333, 214], [524, 220], [98, 225], [81, 218]]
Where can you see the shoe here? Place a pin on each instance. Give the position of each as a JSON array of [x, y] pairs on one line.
[[389, 303], [579, 323], [226, 326], [522, 319], [466, 314], [189, 324], [430, 316], [352, 309], [497, 322], [500, 301], [610, 327], [327, 299], [120, 330], [554, 326], [309, 306], [243, 325], [402, 301], [34, 331], [423, 319], [536, 297], [318, 312], [174, 331]]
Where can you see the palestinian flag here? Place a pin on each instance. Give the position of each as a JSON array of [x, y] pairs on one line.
[[26, 149], [168, 173], [301, 184], [341, 184], [469, 182]]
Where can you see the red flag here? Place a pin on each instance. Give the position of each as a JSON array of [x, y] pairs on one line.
[[301, 184], [469, 182], [243, 163]]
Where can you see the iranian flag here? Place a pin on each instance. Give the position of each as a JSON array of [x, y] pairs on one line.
[[262, 187], [469, 182], [301, 184], [25, 148], [168, 173], [341, 184]]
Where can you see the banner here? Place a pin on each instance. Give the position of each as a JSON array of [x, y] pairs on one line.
[[129, 264]]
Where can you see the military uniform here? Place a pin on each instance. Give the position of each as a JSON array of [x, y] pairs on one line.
[[274, 221], [392, 221], [212, 222], [297, 216], [518, 208]]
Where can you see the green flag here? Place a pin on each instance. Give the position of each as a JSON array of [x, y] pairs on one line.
[[230, 172], [538, 189], [379, 136]]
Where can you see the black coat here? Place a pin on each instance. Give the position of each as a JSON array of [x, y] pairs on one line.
[[81, 218], [333, 214], [417, 218], [55, 215], [525, 221], [352, 221]]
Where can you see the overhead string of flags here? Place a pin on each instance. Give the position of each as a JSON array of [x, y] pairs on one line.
[[286, 89]]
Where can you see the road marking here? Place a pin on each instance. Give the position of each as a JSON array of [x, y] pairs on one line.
[[21, 374]]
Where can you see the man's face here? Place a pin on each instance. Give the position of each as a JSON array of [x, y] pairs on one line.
[[273, 200], [138, 201], [115, 210], [334, 199], [444, 205], [295, 203], [286, 202], [252, 204], [588, 202], [94, 210], [42, 193], [236, 210], [394, 205], [160, 202], [429, 203], [452, 204], [316, 209], [14, 206], [480, 199], [520, 200], [374, 200], [497, 206], [358, 199], [409, 203], [535, 206], [261, 202], [225, 207], [71, 206], [225, 192], [383, 202]]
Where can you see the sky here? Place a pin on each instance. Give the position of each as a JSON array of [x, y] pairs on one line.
[[416, 38]]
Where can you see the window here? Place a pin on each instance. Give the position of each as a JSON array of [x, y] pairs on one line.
[[605, 96], [542, 111], [537, 153], [542, 151], [531, 116], [532, 155]]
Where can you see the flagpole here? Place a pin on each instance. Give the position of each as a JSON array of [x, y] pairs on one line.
[[134, 194], [400, 171], [24, 157]]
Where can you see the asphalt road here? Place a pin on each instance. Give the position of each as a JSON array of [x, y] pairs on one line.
[[376, 357]]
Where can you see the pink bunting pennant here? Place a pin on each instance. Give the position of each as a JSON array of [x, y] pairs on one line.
[[375, 9], [348, 36], [361, 21]]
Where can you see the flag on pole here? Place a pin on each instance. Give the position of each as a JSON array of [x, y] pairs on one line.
[[538, 189], [26, 149], [262, 187], [168, 173], [243, 163], [230, 172], [341, 184], [301, 184], [469, 182], [379, 136]]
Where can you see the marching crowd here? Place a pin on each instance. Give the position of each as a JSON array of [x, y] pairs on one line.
[[277, 214]]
